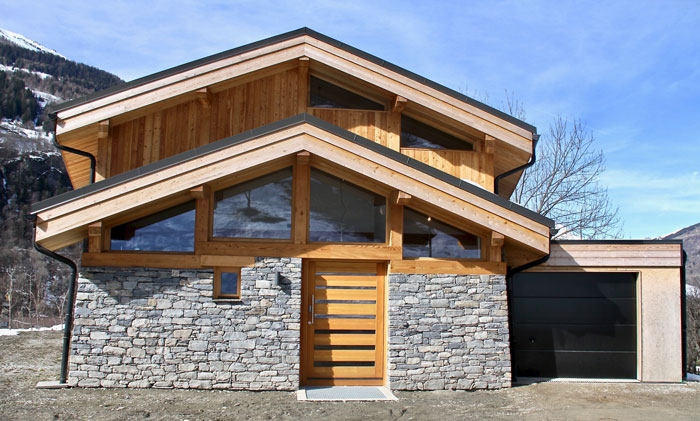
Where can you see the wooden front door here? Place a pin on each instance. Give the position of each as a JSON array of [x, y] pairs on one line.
[[343, 323]]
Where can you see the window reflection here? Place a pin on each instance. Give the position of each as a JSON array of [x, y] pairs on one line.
[[424, 236], [342, 212], [259, 208], [168, 230]]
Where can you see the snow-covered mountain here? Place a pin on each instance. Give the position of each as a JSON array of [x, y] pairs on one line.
[[26, 43]]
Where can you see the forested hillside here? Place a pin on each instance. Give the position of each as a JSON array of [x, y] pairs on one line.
[[32, 286]]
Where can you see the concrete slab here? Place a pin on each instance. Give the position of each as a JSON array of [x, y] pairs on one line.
[[51, 384]]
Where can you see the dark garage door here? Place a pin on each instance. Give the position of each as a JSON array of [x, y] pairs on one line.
[[581, 325]]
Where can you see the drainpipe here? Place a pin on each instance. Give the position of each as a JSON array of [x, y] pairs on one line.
[[533, 158], [684, 338], [509, 294], [70, 303], [91, 157]]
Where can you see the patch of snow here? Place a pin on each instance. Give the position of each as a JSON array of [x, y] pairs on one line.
[[13, 332], [14, 127], [692, 291], [692, 377], [24, 42], [41, 75]]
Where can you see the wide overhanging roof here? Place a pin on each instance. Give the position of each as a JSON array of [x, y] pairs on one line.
[[280, 38], [270, 128]]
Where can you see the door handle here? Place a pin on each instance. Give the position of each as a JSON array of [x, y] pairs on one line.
[[311, 309]]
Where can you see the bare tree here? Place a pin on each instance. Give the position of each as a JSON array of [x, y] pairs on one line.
[[563, 184]]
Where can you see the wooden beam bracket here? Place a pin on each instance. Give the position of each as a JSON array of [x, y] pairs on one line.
[[399, 104], [103, 129], [489, 144], [199, 192], [204, 96], [400, 198]]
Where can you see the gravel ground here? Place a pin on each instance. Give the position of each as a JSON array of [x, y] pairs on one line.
[[30, 357]]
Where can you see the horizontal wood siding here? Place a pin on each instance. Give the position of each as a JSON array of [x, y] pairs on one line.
[[191, 124], [614, 255], [379, 126], [467, 165]]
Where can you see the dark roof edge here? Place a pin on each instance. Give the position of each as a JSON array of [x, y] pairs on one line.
[[617, 241], [273, 127], [283, 37]]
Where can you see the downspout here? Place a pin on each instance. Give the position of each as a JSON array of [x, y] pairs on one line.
[[509, 294], [684, 338], [70, 303], [91, 157], [533, 158]]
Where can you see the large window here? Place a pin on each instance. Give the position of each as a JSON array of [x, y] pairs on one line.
[[168, 230], [327, 95], [415, 134], [424, 236], [259, 208], [342, 212]]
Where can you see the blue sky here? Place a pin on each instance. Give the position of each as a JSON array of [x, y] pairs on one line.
[[629, 69]]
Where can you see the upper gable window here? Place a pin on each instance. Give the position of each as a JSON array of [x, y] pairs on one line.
[[259, 208], [415, 134], [168, 230], [424, 236], [343, 212], [327, 95]]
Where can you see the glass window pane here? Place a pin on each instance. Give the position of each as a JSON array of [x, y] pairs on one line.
[[415, 134], [328, 95], [424, 236], [168, 230], [259, 208], [229, 283], [345, 213]]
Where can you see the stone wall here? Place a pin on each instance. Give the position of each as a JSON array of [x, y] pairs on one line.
[[161, 328], [448, 332]]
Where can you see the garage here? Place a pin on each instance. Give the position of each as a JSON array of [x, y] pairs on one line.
[[574, 325]]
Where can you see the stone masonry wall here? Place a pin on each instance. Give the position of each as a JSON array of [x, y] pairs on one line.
[[448, 332], [161, 328]]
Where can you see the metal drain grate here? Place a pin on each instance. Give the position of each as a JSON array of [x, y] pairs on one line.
[[346, 393]]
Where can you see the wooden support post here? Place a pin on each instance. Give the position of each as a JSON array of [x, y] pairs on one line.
[[205, 97], [104, 146], [202, 213], [302, 174], [396, 225], [399, 104], [400, 198], [495, 245], [95, 241], [303, 84]]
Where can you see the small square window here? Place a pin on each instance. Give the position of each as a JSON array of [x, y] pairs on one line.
[[227, 283]]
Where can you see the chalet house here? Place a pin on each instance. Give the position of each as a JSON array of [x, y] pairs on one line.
[[298, 212]]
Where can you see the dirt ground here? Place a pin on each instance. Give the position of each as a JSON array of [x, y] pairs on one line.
[[34, 356]]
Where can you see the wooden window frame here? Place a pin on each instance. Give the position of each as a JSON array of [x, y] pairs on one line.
[[217, 295]]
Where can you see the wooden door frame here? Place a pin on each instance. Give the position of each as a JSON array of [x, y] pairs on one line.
[[306, 345]]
